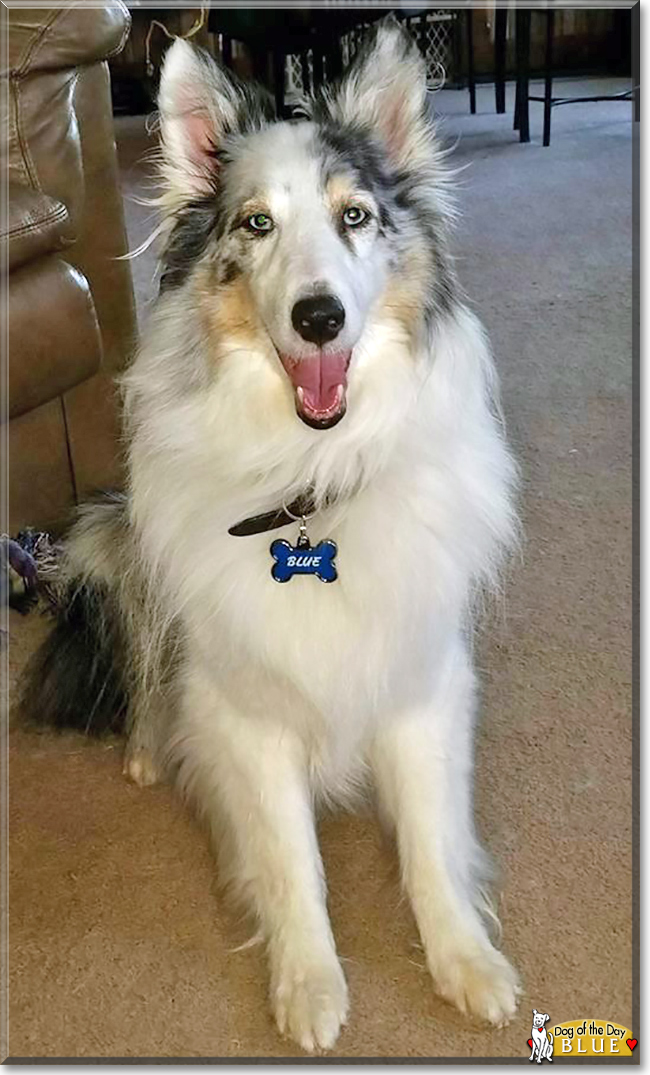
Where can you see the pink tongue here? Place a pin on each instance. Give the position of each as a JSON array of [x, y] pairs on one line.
[[319, 377]]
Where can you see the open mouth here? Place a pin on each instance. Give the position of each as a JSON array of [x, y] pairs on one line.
[[320, 384]]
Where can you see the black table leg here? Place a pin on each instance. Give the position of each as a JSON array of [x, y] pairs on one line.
[[548, 80], [500, 27], [523, 60], [471, 83]]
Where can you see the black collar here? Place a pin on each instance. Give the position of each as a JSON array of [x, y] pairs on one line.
[[272, 520]]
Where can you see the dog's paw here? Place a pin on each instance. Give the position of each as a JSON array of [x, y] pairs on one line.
[[310, 1002], [480, 982], [140, 767]]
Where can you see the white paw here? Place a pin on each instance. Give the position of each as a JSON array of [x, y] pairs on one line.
[[480, 981], [310, 1002], [140, 767]]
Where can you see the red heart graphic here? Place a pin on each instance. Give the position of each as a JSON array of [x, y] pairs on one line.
[[632, 1042], [530, 1043]]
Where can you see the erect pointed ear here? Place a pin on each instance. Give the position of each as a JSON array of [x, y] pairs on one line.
[[385, 89], [200, 102]]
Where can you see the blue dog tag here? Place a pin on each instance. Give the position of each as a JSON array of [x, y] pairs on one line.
[[304, 559]]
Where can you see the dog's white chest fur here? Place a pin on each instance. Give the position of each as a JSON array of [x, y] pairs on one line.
[[338, 658]]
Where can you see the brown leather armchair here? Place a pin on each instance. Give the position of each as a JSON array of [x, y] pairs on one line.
[[70, 302]]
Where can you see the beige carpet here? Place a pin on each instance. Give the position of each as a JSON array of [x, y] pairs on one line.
[[119, 944]]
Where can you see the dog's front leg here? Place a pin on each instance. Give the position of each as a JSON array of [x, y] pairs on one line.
[[248, 776], [422, 761], [147, 737]]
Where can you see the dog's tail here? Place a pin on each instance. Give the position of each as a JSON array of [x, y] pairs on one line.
[[78, 677]]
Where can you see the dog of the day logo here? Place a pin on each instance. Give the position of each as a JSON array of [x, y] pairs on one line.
[[580, 1037]]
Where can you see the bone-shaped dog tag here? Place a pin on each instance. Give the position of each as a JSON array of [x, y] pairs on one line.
[[304, 559]]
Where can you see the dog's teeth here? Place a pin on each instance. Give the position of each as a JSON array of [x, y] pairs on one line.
[[300, 394]]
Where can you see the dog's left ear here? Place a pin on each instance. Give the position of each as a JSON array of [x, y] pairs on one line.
[[385, 89]]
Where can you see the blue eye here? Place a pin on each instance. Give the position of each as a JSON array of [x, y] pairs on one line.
[[259, 222], [353, 216]]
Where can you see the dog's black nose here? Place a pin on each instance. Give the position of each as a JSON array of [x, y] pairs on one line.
[[318, 320]]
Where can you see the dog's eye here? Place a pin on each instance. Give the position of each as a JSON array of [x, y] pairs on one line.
[[259, 222], [353, 216]]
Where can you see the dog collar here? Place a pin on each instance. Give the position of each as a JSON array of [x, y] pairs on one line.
[[303, 558], [302, 506]]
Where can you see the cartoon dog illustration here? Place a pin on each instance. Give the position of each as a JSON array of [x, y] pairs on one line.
[[542, 1042]]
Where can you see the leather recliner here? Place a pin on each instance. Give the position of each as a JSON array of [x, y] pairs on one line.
[[70, 302]]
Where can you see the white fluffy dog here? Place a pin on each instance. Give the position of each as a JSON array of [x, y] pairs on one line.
[[309, 351]]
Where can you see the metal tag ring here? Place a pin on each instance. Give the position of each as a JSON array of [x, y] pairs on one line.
[[297, 518]]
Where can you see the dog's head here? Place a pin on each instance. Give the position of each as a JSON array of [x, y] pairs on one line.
[[305, 237], [539, 1019]]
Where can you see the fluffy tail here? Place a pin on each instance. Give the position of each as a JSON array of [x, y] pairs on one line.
[[78, 677]]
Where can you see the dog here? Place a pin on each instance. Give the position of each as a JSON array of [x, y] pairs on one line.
[[542, 1041], [310, 376]]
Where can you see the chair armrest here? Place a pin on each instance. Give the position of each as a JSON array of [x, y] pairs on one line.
[[51, 39], [54, 339]]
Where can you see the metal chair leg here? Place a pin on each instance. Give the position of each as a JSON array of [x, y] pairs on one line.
[[304, 68], [278, 81], [318, 67], [548, 81], [500, 28], [334, 60], [226, 50], [422, 33], [523, 54], [636, 61], [471, 83]]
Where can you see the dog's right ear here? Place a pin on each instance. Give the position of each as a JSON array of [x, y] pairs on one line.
[[200, 103]]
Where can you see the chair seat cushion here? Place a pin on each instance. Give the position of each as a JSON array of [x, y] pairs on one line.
[[35, 225]]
